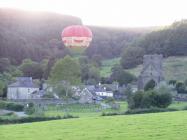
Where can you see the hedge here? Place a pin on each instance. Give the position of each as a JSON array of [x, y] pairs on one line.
[[140, 111], [11, 106], [33, 119]]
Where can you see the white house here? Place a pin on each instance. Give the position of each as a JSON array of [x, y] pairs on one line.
[[23, 88], [103, 93]]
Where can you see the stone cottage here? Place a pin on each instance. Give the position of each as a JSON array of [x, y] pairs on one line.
[[23, 88]]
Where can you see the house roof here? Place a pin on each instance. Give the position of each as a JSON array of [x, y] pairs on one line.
[[23, 82]]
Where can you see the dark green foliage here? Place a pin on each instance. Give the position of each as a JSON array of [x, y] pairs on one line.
[[2, 88], [30, 109], [89, 70], [3, 105], [180, 87], [33, 69], [14, 107], [109, 100], [4, 64], [170, 41], [150, 99], [121, 76], [34, 36], [66, 69], [109, 42], [172, 82], [150, 85], [11, 106], [33, 119], [140, 111], [131, 57], [149, 110]]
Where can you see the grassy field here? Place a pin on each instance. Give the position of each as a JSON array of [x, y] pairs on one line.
[[107, 65], [174, 68], [157, 126]]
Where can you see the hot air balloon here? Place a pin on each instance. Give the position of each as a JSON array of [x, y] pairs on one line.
[[77, 36]]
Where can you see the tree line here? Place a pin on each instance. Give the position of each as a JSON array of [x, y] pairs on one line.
[[169, 41]]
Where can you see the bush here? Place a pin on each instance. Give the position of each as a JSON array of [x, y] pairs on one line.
[[149, 110], [180, 87], [14, 107], [3, 105], [140, 111], [11, 106], [32, 119], [109, 100], [30, 109], [150, 85], [110, 114], [150, 99]]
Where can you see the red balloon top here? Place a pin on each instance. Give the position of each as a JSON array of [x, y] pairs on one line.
[[77, 31]]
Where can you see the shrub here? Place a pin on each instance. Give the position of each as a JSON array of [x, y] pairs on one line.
[[3, 105], [149, 99], [149, 110], [14, 107], [140, 111], [185, 108], [180, 87], [32, 119], [110, 114], [172, 82], [109, 100], [150, 85], [11, 106]]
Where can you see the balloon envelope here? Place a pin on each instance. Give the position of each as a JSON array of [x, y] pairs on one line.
[[76, 36]]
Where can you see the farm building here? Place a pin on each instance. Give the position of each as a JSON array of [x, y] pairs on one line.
[[23, 88]]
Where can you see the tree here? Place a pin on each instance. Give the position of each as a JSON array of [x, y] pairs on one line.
[[172, 82], [2, 86], [66, 69], [63, 90], [131, 57], [180, 87], [32, 69], [150, 98], [121, 76], [4, 64], [90, 74], [150, 85]]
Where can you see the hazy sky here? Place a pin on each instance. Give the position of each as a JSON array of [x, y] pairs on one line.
[[123, 13]]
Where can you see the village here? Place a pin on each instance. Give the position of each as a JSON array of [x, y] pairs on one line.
[[93, 70]]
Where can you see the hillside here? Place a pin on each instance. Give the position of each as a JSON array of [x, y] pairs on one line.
[[169, 41], [162, 126], [174, 68], [25, 34]]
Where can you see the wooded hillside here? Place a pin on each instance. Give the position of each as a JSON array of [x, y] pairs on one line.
[[34, 35]]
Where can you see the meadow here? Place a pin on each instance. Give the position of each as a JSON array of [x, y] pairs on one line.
[[175, 68], [162, 126]]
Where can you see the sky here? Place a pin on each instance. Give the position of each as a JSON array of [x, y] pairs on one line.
[[115, 13]]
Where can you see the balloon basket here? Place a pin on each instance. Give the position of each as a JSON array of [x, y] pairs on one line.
[[77, 51]]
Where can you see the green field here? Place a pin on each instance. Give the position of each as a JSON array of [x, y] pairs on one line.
[[107, 65], [174, 68], [157, 126]]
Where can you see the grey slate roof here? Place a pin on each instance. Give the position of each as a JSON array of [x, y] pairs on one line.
[[23, 82]]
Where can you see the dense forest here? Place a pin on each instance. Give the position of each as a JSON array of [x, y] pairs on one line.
[[32, 35], [169, 41], [37, 35]]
